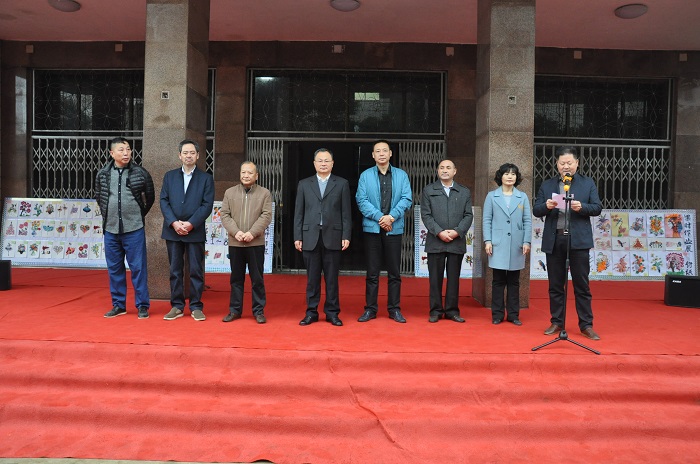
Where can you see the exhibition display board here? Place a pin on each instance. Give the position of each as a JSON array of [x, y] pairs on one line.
[[628, 244], [68, 233]]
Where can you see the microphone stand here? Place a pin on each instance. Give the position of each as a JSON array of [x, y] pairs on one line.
[[562, 334]]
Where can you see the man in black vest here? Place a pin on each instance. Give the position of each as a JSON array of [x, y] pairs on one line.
[[125, 194]]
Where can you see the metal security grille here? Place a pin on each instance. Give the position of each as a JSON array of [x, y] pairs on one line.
[[420, 160], [76, 112], [268, 155], [628, 177], [65, 167], [621, 128]]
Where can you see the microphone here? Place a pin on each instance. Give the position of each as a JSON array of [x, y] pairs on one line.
[[567, 181]]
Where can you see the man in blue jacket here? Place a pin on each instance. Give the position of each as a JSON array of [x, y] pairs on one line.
[[383, 197], [186, 200], [577, 235]]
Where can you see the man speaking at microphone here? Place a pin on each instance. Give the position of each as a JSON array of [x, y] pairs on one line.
[[550, 205]]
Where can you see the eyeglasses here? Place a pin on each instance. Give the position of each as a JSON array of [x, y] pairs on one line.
[[323, 161]]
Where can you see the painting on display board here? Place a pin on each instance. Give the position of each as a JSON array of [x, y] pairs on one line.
[[630, 244], [52, 233], [68, 233]]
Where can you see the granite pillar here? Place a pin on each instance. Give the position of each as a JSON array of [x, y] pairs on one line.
[[686, 162], [505, 83], [175, 106]]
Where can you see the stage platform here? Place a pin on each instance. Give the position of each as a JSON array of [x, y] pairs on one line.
[[74, 384]]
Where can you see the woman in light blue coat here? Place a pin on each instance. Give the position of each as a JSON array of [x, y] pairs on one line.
[[507, 227]]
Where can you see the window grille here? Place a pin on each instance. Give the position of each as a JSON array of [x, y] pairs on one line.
[[621, 129], [75, 113], [420, 160], [268, 155]]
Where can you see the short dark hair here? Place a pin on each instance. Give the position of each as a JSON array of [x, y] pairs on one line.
[[116, 141], [505, 168], [321, 150], [185, 142], [381, 141], [566, 150]]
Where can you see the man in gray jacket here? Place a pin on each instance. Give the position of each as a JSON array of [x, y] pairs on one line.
[[446, 211]]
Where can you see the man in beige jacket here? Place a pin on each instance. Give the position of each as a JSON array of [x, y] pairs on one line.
[[245, 214]]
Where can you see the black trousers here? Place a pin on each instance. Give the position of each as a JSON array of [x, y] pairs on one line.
[[387, 249], [580, 268], [502, 280], [195, 258], [254, 258], [317, 261], [437, 263]]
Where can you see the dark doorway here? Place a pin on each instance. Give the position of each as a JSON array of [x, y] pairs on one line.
[[350, 159]]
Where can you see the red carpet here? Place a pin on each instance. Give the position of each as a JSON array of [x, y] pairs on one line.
[[73, 384]]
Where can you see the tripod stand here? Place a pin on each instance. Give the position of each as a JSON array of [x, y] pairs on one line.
[[567, 211]]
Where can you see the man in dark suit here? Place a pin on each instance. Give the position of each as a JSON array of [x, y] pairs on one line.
[[322, 228], [186, 200], [556, 237], [446, 211]]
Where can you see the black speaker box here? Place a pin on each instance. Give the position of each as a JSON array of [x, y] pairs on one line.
[[5, 274], [682, 291]]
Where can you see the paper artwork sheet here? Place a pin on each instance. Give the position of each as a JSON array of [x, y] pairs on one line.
[[58, 249], [675, 263], [638, 224], [620, 243], [656, 225], [639, 265], [9, 250], [11, 228], [87, 211], [46, 249], [620, 224], [602, 243], [603, 262], [673, 225], [601, 225], [657, 267]]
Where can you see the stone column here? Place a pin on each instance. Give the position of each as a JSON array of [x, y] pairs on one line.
[[686, 162], [505, 92], [176, 67]]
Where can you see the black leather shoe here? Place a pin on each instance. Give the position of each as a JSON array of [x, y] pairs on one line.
[[434, 317], [366, 316], [397, 316], [516, 322], [308, 319], [552, 329], [497, 321], [232, 317], [335, 321], [260, 318], [454, 317]]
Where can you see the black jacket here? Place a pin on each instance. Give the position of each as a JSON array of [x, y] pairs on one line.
[[138, 181]]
